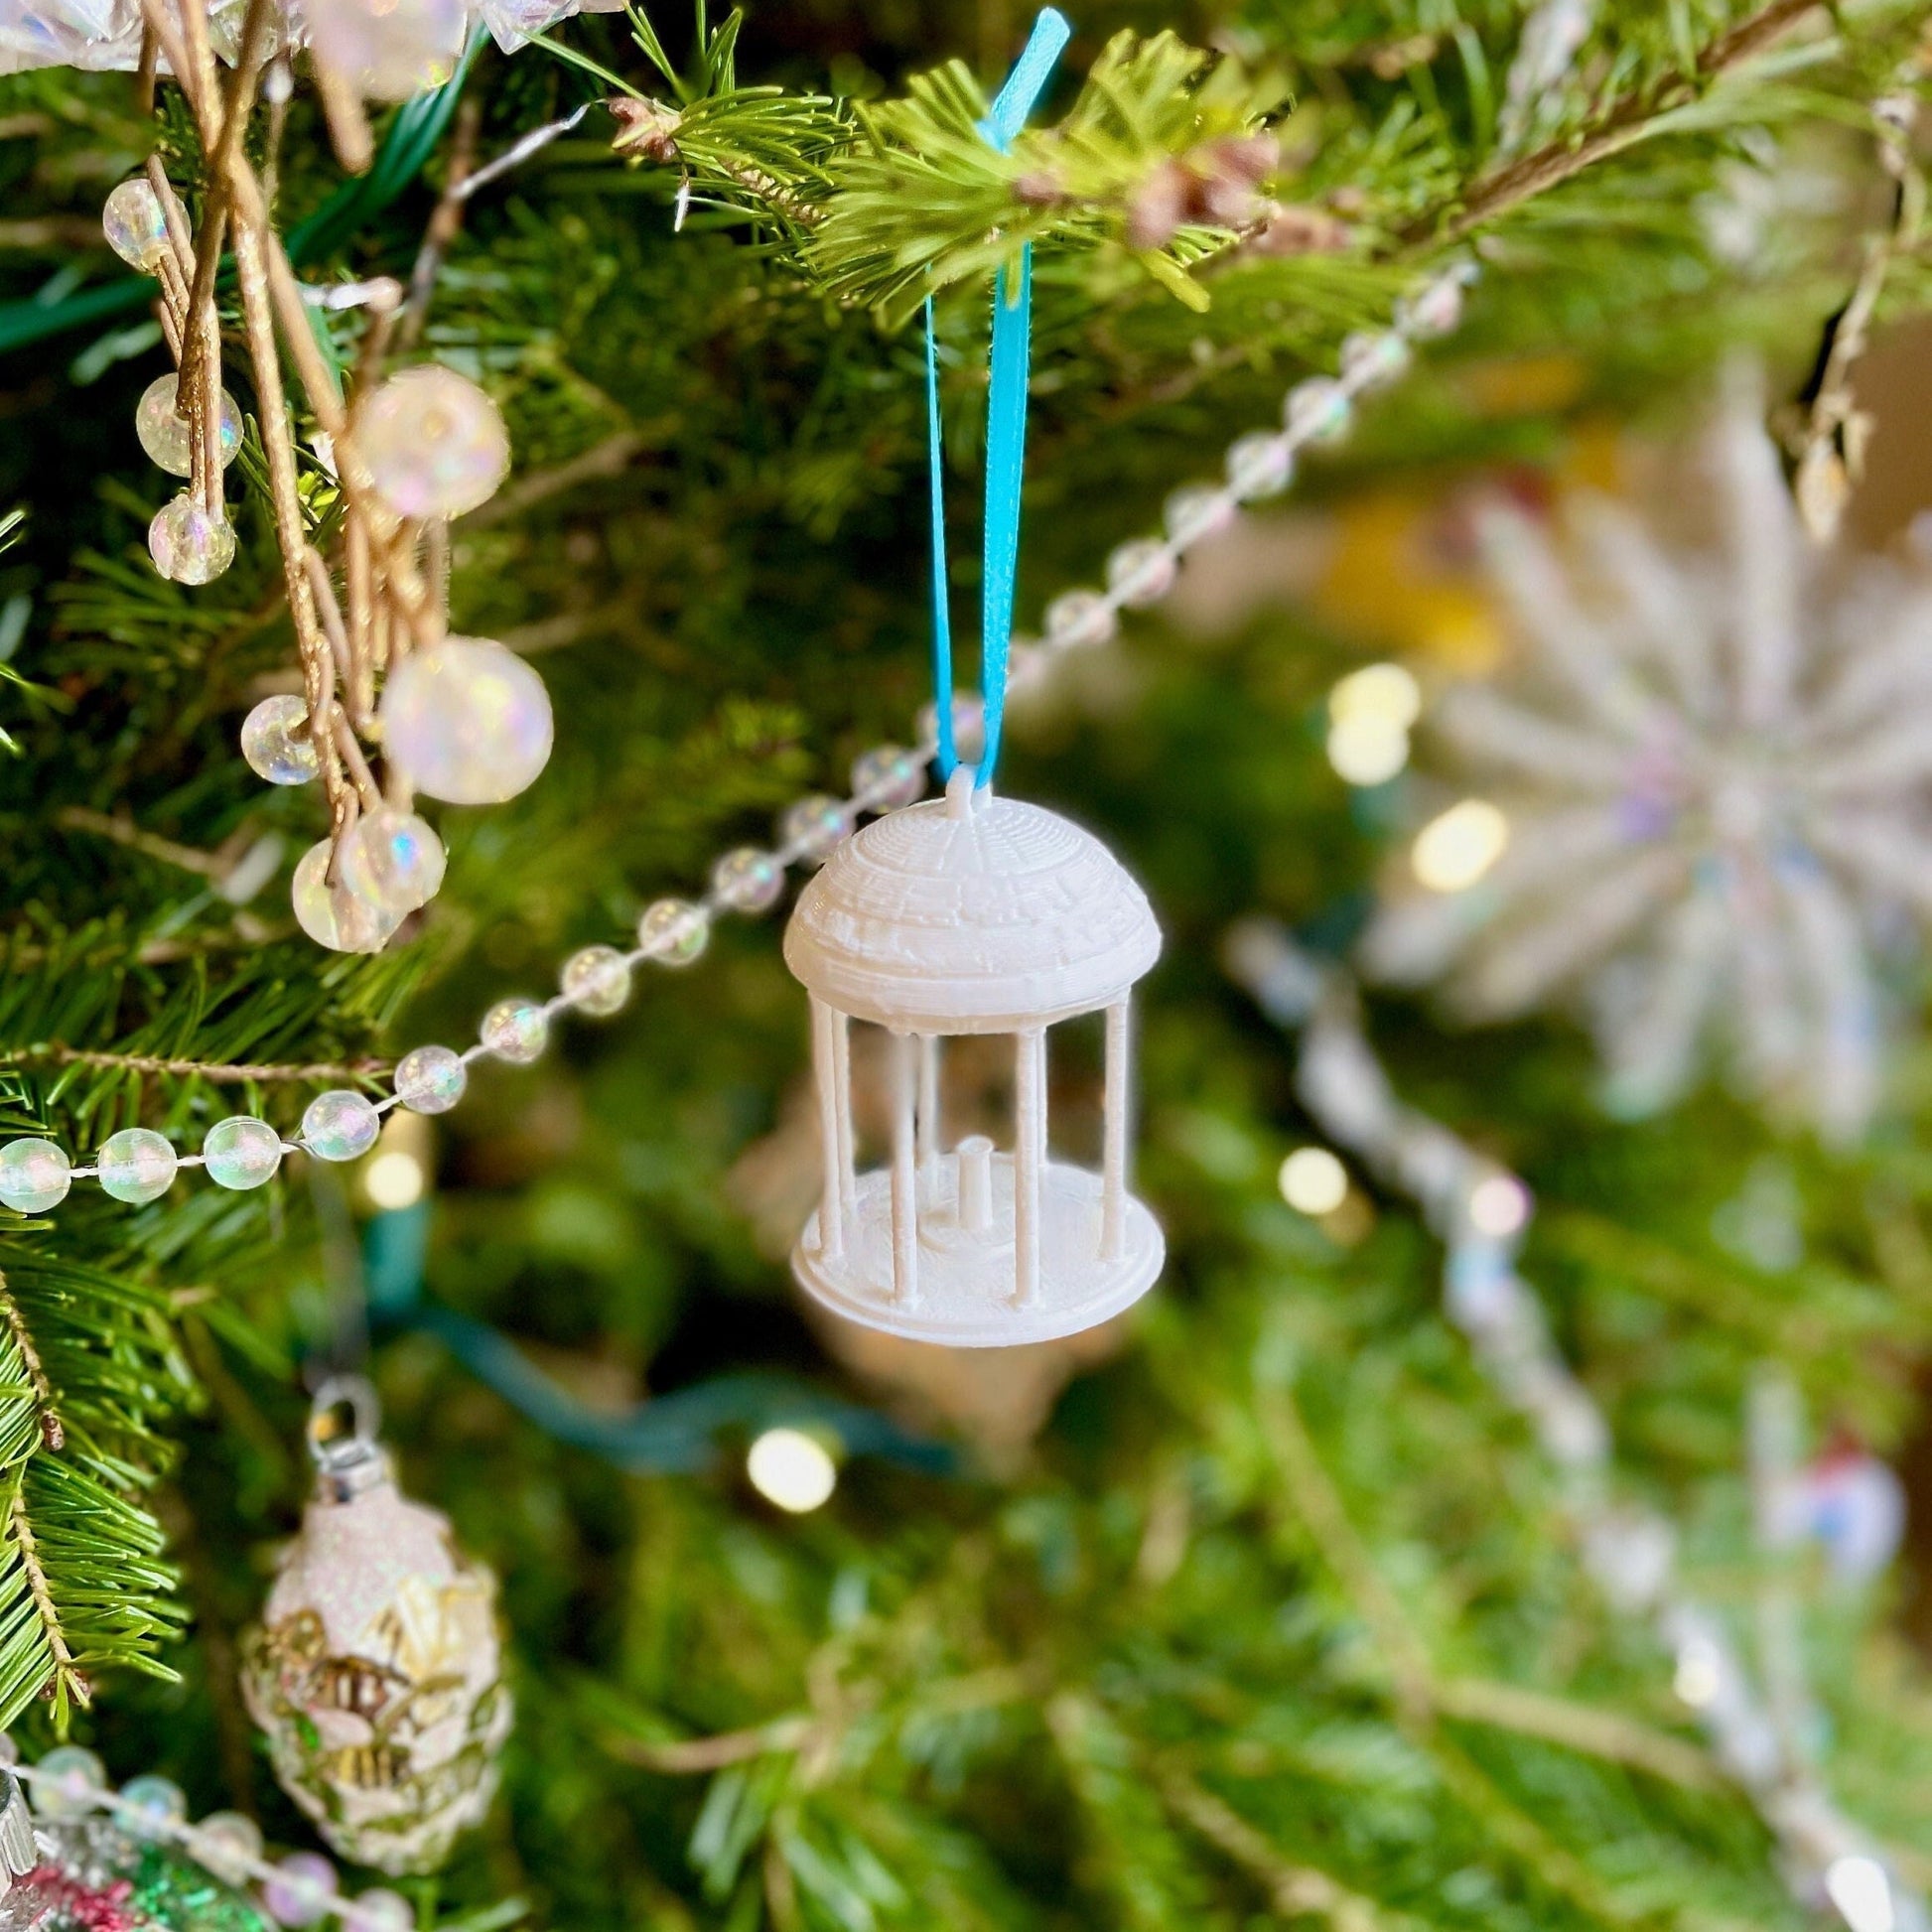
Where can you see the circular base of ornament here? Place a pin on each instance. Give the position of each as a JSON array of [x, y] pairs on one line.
[[966, 1276]]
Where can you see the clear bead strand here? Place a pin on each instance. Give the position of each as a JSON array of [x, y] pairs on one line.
[[1140, 572]]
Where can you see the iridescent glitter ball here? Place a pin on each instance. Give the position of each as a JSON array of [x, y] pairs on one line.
[[187, 545], [330, 914], [389, 52], [393, 860], [135, 228], [165, 435], [276, 742], [468, 720], [435, 444]]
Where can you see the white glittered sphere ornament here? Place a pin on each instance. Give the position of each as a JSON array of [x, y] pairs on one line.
[[435, 444], [393, 861], [376, 1673], [329, 913], [972, 914], [468, 720], [165, 436], [388, 51]]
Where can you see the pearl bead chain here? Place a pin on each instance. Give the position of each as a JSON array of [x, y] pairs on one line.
[[341, 1124], [303, 1889], [1480, 1212]]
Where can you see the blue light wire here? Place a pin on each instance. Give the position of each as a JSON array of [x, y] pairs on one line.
[[1006, 431]]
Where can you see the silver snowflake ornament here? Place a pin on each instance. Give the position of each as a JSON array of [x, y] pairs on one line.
[[1715, 777]]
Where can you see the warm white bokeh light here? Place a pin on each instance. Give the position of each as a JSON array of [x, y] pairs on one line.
[[1700, 1673], [1314, 1181], [789, 1468], [1383, 691], [1451, 852], [393, 1179], [1367, 750]]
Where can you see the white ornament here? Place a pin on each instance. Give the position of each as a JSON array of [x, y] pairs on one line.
[[376, 1675], [972, 914], [1722, 792]]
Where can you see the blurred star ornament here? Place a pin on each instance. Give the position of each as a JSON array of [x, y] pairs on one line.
[[971, 915], [1715, 790], [376, 1673]]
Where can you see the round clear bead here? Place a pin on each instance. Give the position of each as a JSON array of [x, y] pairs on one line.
[[241, 1152], [674, 931], [1433, 310], [188, 544], [1141, 571], [430, 1079], [340, 1125], [1259, 465], [468, 720], [34, 1175], [968, 718], [386, 1911], [1077, 618], [70, 1778], [137, 1164], [1318, 410], [135, 228], [1371, 357], [516, 1031], [813, 826], [333, 916], [151, 1801], [597, 981], [435, 442], [1026, 662], [887, 778], [166, 437], [748, 880], [226, 1843], [276, 742], [300, 1891], [393, 861], [1195, 511]]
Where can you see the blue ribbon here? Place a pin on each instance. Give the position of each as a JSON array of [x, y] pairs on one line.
[[1006, 431]]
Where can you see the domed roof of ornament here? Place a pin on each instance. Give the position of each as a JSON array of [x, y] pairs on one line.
[[963, 918]]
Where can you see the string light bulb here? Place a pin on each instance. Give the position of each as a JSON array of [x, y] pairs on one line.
[[1370, 713], [1458, 848], [791, 1469], [1314, 1181]]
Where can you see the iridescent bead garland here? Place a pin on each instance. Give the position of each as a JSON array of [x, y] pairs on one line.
[[139, 1165], [301, 1890], [1480, 1212]]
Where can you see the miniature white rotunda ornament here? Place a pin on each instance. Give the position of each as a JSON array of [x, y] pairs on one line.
[[972, 914]]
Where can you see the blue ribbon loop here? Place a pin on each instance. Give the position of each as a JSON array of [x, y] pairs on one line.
[[1006, 432]]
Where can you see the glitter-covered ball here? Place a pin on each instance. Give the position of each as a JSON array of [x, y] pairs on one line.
[[392, 860], [241, 1152], [340, 1125], [468, 720], [165, 435], [134, 224], [97, 1875], [431, 1079], [388, 52], [137, 1164], [333, 916], [276, 742], [435, 444], [34, 1175], [187, 545]]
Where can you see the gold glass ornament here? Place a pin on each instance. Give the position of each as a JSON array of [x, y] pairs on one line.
[[376, 1672]]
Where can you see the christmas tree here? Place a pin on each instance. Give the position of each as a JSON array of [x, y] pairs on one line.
[[1488, 1519]]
